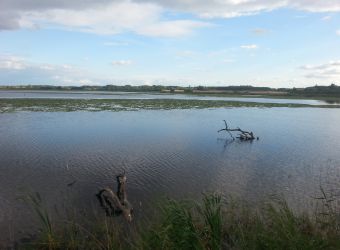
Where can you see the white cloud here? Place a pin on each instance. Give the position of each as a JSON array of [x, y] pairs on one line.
[[326, 18], [68, 67], [235, 8], [186, 54], [145, 17], [85, 81], [12, 62], [121, 62], [249, 46], [338, 32], [315, 5], [172, 28], [110, 18], [327, 71], [15, 69], [47, 67]]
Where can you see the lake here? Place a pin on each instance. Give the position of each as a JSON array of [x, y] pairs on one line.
[[174, 153]]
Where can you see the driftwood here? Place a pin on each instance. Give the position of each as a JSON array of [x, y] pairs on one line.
[[116, 203], [244, 135]]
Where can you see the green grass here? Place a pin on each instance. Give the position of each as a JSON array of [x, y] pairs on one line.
[[211, 224], [68, 105], [47, 231]]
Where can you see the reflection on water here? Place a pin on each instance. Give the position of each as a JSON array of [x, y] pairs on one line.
[[176, 153], [133, 95]]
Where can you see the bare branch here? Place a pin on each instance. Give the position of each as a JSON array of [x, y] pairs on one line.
[[244, 135]]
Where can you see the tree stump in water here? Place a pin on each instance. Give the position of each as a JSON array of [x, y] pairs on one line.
[[116, 203]]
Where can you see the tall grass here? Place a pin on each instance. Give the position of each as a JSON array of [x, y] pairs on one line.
[[213, 223], [46, 236], [188, 226]]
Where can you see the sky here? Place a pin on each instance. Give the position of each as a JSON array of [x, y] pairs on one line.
[[282, 43]]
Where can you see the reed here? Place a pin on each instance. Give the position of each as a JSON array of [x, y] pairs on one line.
[[212, 224]]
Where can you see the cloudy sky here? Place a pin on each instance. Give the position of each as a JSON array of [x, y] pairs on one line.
[[282, 43]]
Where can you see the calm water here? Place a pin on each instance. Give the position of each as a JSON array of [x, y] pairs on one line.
[[132, 95], [176, 153]]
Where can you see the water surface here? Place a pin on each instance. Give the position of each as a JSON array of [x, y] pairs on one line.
[[175, 153]]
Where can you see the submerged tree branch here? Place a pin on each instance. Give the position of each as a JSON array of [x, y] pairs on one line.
[[244, 135]]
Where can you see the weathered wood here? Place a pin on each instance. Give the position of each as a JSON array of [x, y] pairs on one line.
[[121, 180], [244, 135], [116, 203]]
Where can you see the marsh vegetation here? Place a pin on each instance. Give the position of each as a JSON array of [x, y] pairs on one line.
[[69, 105], [213, 223]]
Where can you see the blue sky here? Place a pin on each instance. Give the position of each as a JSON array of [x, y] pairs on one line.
[[231, 42]]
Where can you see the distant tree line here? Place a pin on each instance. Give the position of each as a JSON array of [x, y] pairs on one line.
[[139, 88], [331, 90], [125, 88]]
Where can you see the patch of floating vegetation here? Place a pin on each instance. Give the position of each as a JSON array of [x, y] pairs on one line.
[[69, 105]]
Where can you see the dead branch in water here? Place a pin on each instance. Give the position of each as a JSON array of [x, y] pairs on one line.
[[244, 135], [116, 203]]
